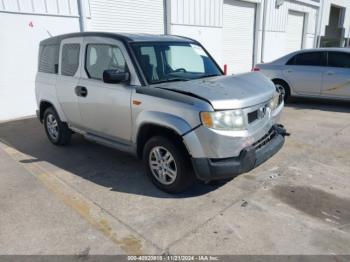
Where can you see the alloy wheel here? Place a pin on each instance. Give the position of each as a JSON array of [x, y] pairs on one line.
[[162, 165], [280, 88], [52, 126]]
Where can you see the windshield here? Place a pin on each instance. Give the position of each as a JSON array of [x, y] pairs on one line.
[[166, 62]]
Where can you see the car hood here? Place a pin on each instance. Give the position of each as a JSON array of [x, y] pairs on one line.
[[227, 92]]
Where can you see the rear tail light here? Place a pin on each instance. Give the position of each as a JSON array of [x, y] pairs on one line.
[[255, 69], [225, 69]]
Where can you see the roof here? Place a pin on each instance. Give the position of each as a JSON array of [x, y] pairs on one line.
[[343, 49], [282, 60], [125, 37]]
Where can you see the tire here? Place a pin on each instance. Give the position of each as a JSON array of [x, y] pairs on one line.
[[283, 88], [159, 172], [56, 130]]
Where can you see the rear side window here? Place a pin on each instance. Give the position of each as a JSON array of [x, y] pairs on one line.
[[100, 57], [339, 59], [70, 59], [308, 59], [48, 59]]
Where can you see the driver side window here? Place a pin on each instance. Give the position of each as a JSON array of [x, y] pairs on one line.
[[100, 57]]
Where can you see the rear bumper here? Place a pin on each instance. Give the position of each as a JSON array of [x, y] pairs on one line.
[[250, 157]]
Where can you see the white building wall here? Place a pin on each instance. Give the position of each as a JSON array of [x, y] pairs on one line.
[[276, 24], [200, 20], [21, 31], [44, 7], [141, 16], [203, 21]]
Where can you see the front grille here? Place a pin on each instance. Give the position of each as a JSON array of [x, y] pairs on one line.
[[265, 139], [257, 114], [252, 116]]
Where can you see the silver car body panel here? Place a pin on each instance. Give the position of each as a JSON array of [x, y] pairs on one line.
[[168, 109], [228, 92], [45, 92], [311, 81], [210, 143]]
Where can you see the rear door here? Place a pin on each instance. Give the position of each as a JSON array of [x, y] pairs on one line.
[[68, 78], [336, 79], [304, 72]]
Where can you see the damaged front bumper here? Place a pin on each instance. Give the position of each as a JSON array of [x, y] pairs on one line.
[[207, 169]]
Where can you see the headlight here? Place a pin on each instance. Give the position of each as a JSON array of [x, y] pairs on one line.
[[224, 120], [273, 104]]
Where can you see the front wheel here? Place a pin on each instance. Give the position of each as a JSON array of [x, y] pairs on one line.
[[167, 165]]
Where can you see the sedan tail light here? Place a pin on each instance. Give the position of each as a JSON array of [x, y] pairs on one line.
[[255, 69]]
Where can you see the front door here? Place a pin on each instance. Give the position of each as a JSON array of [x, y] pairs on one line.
[[105, 108], [336, 79]]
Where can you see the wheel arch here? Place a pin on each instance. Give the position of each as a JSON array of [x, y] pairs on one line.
[[277, 80], [149, 124], [149, 130], [44, 104]]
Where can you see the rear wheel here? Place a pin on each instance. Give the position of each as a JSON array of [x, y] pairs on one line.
[[283, 88], [57, 131], [167, 165]]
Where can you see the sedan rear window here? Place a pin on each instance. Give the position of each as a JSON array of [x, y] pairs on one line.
[[308, 59]]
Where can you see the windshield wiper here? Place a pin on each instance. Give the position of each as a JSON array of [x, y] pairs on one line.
[[170, 80]]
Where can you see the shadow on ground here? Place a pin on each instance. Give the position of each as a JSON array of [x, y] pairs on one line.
[[98, 164], [320, 104]]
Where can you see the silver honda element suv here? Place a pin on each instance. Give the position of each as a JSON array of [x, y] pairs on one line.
[[162, 98]]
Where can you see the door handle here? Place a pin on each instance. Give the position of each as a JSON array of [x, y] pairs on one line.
[[289, 71], [330, 73], [81, 91]]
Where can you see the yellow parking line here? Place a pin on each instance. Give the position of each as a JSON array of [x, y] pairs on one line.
[[125, 238]]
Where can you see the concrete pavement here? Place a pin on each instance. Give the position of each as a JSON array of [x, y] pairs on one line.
[[296, 203], [35, 221]]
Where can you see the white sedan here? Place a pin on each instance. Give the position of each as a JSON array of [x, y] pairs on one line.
[[323, 73]]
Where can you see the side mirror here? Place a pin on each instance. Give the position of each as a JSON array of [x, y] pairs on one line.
[[114, 76]]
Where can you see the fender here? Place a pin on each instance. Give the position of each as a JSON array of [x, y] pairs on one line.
[[57, 108], [179, 125], [45, 91]]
